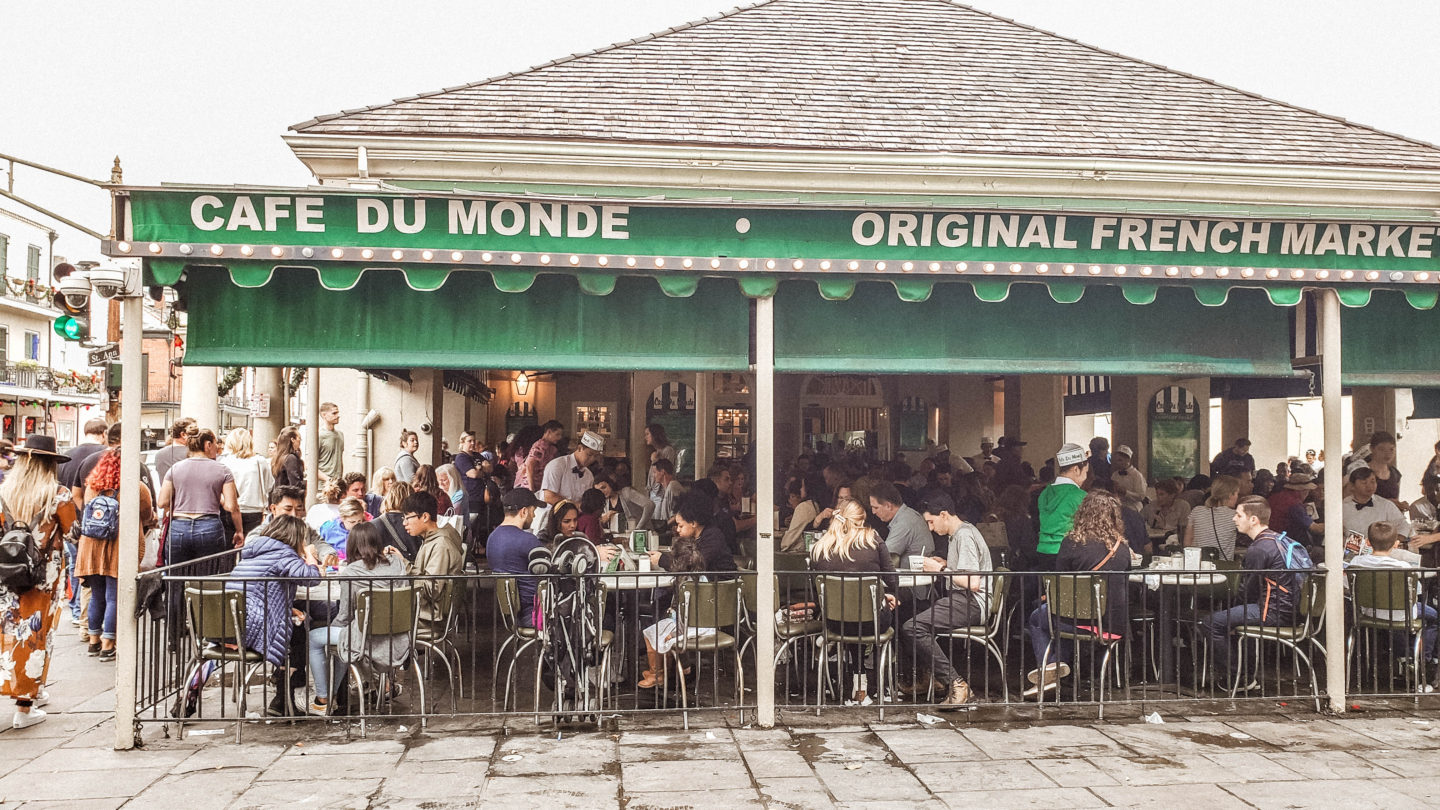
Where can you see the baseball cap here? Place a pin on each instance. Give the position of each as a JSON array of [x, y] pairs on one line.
[[519, 498], [1125, 450], [593, 441], [1069, 455]]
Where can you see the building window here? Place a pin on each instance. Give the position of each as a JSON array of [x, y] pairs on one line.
[[4, 342], [32, 345], [4, 254], [32, 270]]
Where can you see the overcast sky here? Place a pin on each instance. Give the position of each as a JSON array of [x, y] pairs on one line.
[[202, 92]]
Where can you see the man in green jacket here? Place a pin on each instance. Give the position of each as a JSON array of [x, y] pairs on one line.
[[1059, 501]]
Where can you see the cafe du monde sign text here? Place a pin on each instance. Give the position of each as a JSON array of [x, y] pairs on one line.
[[466, 223]]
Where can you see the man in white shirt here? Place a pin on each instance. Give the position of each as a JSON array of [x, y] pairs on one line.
[[1129, 483], [567, 477], [1361, 508]]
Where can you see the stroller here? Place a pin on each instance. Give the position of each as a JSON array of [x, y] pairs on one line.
[[575, 646]]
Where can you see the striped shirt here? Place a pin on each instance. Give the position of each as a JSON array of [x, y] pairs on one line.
[[1215, 528]]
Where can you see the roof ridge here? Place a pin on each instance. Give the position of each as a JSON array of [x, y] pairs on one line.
[[561, 60], [1209, 81]]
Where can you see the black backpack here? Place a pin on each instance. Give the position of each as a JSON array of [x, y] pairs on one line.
[[21, 566]]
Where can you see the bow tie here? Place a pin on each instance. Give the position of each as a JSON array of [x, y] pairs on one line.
[[578, 470], [1370, 502]]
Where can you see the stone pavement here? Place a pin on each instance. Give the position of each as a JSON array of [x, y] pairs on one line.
[[1387, 759]]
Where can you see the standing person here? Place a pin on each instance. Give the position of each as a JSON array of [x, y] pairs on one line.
[[1234, 460], [471, 478], [966, 603], [1058, 503], [1382, 462], [167, 456], [666, 493], [1096, 542], [567, 477], [1129, 484], [1101, 470], [1212, 525], [272, 565], [195, 491], [98, 565], [519, 451], [286, 466], [27, 623], [331, 461], [405, 461], [660, 448], [539, 456], [93, 443], [253, 480]]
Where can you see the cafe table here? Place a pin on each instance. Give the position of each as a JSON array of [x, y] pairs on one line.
[[1171, 580]]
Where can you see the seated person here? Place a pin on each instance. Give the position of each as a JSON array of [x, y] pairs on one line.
[[850, 548], [1167, 514], [271, 566], [441, 554], [635, 509], [1384, 540], [336, 531], [366, 558], [1267, 599], [1096, 542], [592, 505], [510, 544]]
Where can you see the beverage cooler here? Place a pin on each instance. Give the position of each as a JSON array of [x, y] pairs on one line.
[[732, 432]]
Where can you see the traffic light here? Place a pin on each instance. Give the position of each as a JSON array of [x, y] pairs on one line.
[[74, 302]]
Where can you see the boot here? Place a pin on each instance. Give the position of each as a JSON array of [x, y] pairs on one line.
[[655, 675], [958, 695]]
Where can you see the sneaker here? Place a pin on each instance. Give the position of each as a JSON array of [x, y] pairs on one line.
[[75, 621], [1054, 671], [93, 650], [1036, 689], [34, 717], [106, 655], [41, 699], [277, 707], [319, 707], [957, 696]]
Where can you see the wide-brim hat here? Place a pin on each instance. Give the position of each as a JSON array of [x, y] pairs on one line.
[[1299, 481], [41, 445]]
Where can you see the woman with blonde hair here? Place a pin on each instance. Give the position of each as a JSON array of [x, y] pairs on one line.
[[253, 479], [336, 531], [1096, 542], [850, 548], [29, 609], [1212, 525]]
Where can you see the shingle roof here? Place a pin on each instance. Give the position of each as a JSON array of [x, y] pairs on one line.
[[897, 75]]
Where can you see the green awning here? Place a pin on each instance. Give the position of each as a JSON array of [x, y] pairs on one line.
[[1029, 332], [466, 323], [1389, 342]]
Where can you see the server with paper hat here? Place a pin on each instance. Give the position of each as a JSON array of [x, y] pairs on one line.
[[1059, 501]]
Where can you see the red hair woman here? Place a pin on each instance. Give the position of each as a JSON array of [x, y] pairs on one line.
[[98, 563]]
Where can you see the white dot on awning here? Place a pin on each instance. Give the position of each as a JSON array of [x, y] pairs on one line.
[[742, 225]]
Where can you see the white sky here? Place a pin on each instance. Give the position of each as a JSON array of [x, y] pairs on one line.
[[201, 92]]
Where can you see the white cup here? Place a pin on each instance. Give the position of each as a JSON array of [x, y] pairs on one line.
[[644, 563], [917, 563], [1192, 559]]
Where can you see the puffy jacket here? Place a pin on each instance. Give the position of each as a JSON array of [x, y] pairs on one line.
[[268, 603]]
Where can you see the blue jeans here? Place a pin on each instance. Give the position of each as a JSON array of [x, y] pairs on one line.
[[1219, 624], [71, 552], [1039, 626], [190, 540], [103, 591], [322, 641]]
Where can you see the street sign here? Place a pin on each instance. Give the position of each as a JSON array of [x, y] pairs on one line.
[[109, 351]]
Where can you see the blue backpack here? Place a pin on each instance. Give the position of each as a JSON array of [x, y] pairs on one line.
[[100, 520], [1297, 560]]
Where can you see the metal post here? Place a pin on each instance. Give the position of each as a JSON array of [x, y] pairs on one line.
[[310, 435], [362, 434], [126, 635], [764, 436], [1334, 520]]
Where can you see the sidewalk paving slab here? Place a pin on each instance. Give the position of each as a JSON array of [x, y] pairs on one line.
[[1053, 798], [1349, 794], [1168, 797]]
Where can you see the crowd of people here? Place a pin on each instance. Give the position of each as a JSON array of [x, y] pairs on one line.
[[216, 506]]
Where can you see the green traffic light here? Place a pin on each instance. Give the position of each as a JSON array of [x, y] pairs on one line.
[[70, 327]]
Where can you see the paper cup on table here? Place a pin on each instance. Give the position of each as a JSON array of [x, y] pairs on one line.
[[644, 563], [917, 563], [1192, 559]]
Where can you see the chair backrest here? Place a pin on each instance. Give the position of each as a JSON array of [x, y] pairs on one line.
[[1312, 597], [711, 604], [384, 611], [749, 591], [1384, 590], [850, 599], [998, 587], [1078, 597], [507, 600], [215, 613]]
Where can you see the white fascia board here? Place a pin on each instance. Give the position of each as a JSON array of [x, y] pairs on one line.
[[334, 159]]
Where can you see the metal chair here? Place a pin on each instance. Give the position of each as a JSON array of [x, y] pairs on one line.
[[709, 606], [507, 600], [987, 634], [385, 612], [215, 618], [1077, 613], [1310, 618], [438, 643], [786, 633], [1384, 601], [852, 601]]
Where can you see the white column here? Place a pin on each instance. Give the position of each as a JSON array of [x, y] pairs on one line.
[[126, 654], [764, 427], [310, 436], [1334, 529], [200, 395], [268, 381]]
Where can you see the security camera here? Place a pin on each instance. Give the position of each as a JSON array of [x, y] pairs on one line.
[[426, 427], [370, 419], [108, 280], [75, 288]]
